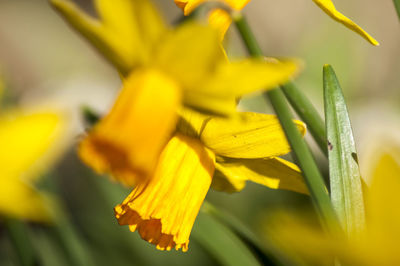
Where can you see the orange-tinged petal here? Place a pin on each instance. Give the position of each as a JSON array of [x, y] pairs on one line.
[[128, 141], [164, 209]]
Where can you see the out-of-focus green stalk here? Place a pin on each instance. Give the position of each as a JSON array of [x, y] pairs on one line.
[[18, 233], [302, 154], [397, 6], [297, 99], [74, 248], [304, 108], [266, 252], [72, 244]]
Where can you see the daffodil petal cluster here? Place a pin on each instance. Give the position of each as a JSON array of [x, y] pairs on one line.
[[163, 70], [152, 137], [246, 148], [28, 145], [207, 151], [221, 19]]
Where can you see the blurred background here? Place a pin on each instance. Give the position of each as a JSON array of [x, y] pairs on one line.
[[43, 61]]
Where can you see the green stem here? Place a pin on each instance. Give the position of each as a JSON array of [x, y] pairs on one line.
[[304, 108], [18, 233], [297, 99], [302, 154], [397, 6]]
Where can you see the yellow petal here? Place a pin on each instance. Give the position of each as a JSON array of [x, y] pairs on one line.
[[126, 33], [27, 141], [383, 200], [189, 5], [210, 104], [298, 234], [274, 173], [253, 136], [235, 79], [237, 4], [129, 17], [190, 53], [30, 142], [329, 8], [164, 209], [21, 200], [220, 20], [128, 141], [191, 123]]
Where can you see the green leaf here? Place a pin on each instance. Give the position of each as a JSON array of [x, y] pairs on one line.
[[19, 235], [346, 187], [267, 252], [397, 6], [221, 242], [307, 112]]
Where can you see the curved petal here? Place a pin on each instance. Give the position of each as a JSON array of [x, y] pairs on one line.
[[274, 173], [329, 8], [253, 136], [220, 20]]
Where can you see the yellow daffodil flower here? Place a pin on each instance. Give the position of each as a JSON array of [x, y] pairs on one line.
[[27, 141], [377, 244], [207, 151], [162, 69], [221, 19]]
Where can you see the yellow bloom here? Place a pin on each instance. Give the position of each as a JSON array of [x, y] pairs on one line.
[[163, 69], [206, 151], [378, 243], [27, 141], [222, 20]]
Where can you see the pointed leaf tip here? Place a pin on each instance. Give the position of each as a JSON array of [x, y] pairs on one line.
[[345, 179]]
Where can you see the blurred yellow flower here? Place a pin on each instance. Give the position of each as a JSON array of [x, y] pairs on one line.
[[127, 142], [222, 20], [162, 68], [378, 243], [207, 151], [28, 145]]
